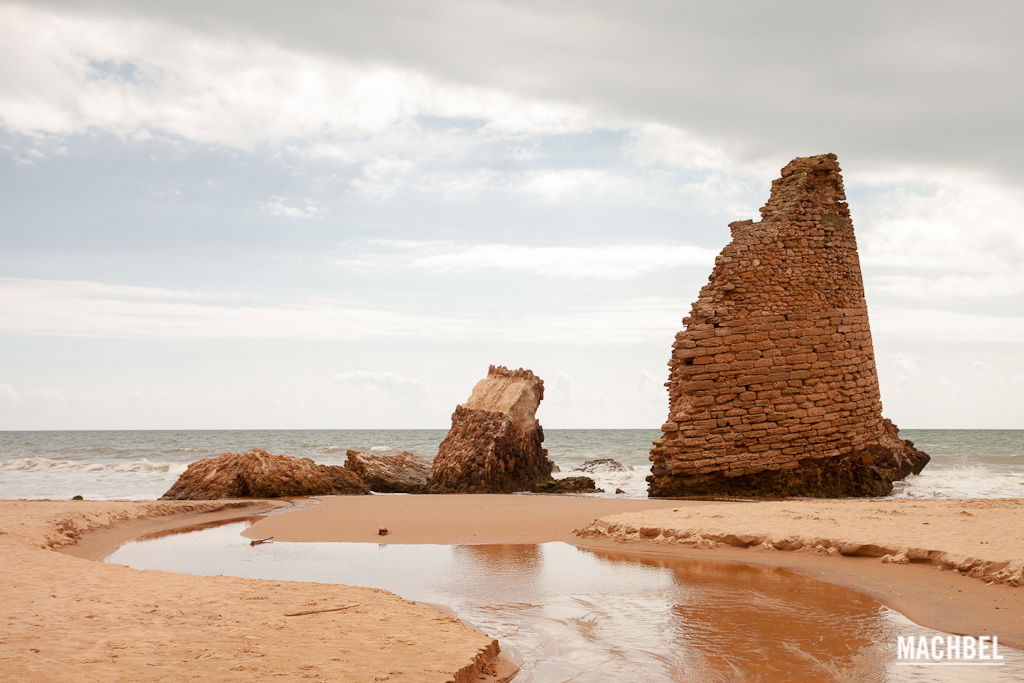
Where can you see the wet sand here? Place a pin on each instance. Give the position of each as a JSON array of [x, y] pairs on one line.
[[466, 519]]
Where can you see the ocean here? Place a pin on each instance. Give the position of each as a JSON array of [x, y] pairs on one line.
[[142, 465]]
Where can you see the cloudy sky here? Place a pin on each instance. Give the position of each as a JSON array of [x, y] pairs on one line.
[[337, 214]]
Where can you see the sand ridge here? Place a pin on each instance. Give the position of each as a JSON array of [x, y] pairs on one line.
[[980, 538]]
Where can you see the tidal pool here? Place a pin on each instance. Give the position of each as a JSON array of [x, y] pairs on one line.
[[566, 613]]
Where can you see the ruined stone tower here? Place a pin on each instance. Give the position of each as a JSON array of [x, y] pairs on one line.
[[773, 389]]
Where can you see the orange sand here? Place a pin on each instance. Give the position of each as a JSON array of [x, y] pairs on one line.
[[453, 518], [66, 617], [981, 538]]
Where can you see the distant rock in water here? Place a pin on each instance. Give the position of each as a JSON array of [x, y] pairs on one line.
[[601, 465], [773, 389], [494, 445], [402, 473], [262, 475], [568, 485]]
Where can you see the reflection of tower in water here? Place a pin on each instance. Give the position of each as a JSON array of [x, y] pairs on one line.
[[747, 615]]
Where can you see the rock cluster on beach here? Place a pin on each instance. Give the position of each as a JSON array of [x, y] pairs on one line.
[[495, 442], [773, 389], [402, 473], [262, 475]]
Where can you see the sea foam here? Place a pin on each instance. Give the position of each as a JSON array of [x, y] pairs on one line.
[[50, 464]]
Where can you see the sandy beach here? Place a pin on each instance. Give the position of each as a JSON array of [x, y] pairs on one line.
[[63, 612], [69, 616]]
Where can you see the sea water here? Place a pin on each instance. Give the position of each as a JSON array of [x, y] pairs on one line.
[[142, 465]]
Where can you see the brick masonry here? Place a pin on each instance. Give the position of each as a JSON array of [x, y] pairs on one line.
[[773, 389]]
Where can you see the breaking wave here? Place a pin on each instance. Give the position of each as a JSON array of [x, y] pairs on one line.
[[961, 482], [632, 481], [52, 465]]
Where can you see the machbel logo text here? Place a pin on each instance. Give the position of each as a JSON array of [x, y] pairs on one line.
[[948, 650]]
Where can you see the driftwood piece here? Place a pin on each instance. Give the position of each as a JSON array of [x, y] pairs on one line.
[[257, 541], [319, 611]]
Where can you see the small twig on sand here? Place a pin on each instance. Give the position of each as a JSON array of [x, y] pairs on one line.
[[318, 611], [257, 541]]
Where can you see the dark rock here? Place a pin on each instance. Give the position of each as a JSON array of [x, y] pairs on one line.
[[262, 475], [568, 485], [77, 498], [402, 473], [618, 491]]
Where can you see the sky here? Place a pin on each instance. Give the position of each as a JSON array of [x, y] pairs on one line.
[[338, 214]]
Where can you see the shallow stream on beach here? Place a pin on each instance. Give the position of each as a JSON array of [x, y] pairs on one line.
[[565, 613]]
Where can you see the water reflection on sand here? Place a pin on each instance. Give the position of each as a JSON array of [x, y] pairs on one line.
[[597, 615]]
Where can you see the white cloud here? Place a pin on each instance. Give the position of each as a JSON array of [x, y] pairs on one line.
[[944, 287], [904, 324], [553, 186], [381, 178], [281, 206], [651, 387], [62, 308], [654, 144], [65, 308], [68, 73], [387, 381], [34, 397], [906, 366], [459, 186], [612, 262], [563, 390], [8, 393], [959, 223]]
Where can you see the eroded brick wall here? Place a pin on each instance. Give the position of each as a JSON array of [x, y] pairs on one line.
[[775, 371]]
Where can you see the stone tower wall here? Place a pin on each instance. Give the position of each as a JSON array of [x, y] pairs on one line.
[[773, 388]]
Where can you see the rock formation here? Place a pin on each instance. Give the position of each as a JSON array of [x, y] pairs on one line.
[[402, 473], [773, 389], [567, 485], [494, 445], [262, 475]]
